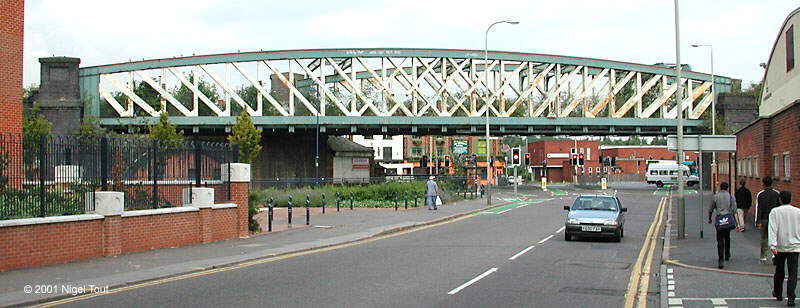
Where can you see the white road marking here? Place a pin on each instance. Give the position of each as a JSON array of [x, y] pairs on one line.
[[468, 283], [675, 301], [559, 230], [671, 294], [546, 238], [503, 211], [670, 277], [671, 287], [521, 252], [718, 301], [669, 270], [671, 282]]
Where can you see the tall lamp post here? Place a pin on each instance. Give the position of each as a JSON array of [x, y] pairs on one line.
[[486, 74], [713, 106], [679, 104]]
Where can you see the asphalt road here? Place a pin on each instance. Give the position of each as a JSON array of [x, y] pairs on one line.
[[433, 267]]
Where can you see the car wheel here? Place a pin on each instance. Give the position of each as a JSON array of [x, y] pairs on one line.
[[659, 184], [621, 232], [618, 236], [567, 236]]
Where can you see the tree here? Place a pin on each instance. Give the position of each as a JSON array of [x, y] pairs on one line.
[[185, 95], [34, 125], [163, 131], [755, 90], [247, 137], [90, 127]]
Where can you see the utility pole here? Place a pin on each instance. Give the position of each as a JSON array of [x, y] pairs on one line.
[[679, 105]]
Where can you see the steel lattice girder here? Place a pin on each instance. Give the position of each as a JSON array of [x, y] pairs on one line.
[[407, 83]]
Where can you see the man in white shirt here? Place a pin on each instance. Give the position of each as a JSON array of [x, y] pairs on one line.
[[784, 242]]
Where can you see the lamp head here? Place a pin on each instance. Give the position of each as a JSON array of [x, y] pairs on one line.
[[513, 22], [695, 45]]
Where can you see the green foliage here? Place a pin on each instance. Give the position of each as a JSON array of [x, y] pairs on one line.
[[163, 131], [252, 210], [3, 167], [184, 95], [24, 203], [90, 127], [755, 90], [632, 140], [247, 137], [34, 125], [375, 195]]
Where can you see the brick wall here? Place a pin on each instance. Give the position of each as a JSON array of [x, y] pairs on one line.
[[11, 37], [223, 224], [141, 233], [40, 244]]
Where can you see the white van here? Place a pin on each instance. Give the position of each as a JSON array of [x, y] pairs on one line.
[[661, 174]]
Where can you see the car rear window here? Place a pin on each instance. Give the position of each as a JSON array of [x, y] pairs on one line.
[[595, 203]]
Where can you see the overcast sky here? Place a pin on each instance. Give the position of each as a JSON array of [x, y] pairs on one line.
[[110, 31]]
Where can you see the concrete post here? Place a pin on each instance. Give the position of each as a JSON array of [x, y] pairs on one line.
[[240, 191], [111, 205], [202, 198]]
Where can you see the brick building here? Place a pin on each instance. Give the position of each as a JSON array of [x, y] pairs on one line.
[[556, 155], [11, 37], [632, 159], [769, 145]]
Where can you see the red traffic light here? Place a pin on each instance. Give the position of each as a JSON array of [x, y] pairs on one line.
[[527, 155], [581, 157], [516, 156]]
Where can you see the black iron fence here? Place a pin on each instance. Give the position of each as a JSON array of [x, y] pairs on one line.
[[292, 183], [58, 175]]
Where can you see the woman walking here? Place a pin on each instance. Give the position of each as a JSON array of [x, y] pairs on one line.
[[725, 205]]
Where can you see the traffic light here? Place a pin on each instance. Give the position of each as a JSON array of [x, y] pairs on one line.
[[574, 159], [527, 159], [580, 159], [515, 156], [447, 161]]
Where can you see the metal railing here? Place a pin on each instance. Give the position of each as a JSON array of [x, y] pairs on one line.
[[58, 175]]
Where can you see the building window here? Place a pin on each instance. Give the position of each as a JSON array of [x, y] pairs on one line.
[[387, 153], [416, 151], [367, 137], [786, 164], [749, 166], [790, 48], [776, 166], [756, 164]]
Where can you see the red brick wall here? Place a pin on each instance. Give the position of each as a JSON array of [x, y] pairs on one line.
[[41, 244], [750, 143], [783, 138], [11, 37], [223, 224], [141, 233]]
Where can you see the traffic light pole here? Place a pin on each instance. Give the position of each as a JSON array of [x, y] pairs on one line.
[[516, 179]]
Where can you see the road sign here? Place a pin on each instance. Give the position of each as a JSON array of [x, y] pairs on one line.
[[705, 143], [460, 146]]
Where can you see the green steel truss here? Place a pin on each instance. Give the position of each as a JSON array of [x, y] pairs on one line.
[[391, 88]]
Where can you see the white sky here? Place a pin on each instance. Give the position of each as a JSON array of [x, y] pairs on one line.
[[642, 31]]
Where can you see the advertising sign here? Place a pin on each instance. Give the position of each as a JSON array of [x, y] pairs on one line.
[[460, 147], [360, 163]]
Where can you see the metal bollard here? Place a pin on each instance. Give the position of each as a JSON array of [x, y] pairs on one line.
[[308, 210], [395, 202], [415, 200], [405, 200], [338, 199], [351, 201], [289, 211], [323, 203], [269, 215]]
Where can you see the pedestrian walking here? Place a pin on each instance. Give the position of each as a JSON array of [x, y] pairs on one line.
[[724, 204], [766, 200], [431, 193], [744, 200], [784, 243]]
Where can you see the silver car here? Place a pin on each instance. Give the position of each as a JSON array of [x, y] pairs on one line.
[[595, 216]]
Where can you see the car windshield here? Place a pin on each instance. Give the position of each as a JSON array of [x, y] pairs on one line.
[[595, 203]]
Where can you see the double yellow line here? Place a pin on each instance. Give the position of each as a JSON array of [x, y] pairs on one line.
[[640, 276]]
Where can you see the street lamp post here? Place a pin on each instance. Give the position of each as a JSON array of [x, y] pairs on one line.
[[486, 74], [679, 100], [713, 109]]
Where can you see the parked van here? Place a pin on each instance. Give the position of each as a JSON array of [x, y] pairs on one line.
[[661, 174]]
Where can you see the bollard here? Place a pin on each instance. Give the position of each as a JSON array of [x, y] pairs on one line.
[[351, 201], [405, 200], [415, 200], [308, 210], [395, 202], [338, 199], [269, 215], [323, 203], [289, 211]]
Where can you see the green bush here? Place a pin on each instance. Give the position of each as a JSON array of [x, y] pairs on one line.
[[374, 195]]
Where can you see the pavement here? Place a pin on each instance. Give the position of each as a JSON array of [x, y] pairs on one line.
[[690, 277], [325, 230]]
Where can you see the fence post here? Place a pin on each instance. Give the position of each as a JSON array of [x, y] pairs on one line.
[[405, 200], [351, 201], [323, 203], [269, 215], [42, 168], [154, 189], [308, 209], [198, 166], [104, 163], [415, 199], [289, 211], [338, 199], [395, 202]]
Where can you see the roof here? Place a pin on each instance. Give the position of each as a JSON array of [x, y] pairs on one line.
[[342, 144]]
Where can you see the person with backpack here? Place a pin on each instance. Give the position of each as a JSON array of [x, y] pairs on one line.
[[784, 243], [725, 205], [766, 200]]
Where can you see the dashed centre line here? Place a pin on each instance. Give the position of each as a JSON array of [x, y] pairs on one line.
[[474, 280], [521, 252], [559, 230], [546, 238]]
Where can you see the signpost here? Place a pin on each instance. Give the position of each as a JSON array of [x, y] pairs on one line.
[[702, 143]]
